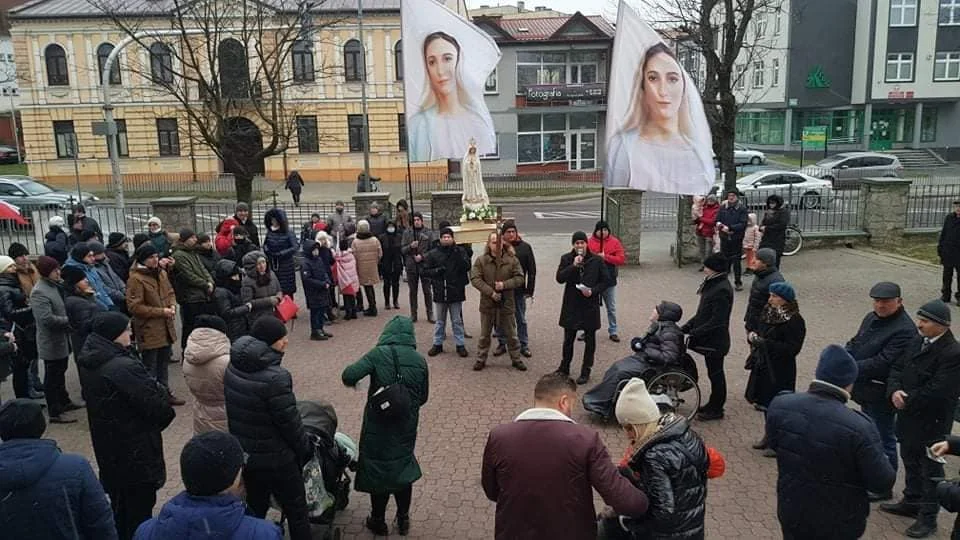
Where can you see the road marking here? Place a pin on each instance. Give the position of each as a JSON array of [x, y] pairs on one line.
[[567, 215]]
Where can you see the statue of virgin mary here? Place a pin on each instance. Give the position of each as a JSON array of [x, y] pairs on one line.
[[474, 194]]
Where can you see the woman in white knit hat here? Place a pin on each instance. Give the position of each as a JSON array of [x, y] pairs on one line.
[[667, 461]]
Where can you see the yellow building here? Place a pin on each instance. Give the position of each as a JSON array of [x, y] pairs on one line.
[[61, 44]]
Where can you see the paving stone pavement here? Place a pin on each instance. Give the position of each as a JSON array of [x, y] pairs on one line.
[[449, 502]]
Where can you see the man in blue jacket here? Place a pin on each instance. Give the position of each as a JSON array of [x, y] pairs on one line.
[[828, 455], [211, 466], [884, 335], [44, 493], [732, 224]]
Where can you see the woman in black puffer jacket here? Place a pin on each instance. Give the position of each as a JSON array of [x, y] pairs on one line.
[[280, 245], [666, 460]]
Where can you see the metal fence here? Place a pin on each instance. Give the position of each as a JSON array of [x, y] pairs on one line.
[[928, 203], [209, 184], [515, 185]]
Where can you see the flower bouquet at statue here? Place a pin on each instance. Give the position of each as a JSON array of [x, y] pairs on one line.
[[486, 213]]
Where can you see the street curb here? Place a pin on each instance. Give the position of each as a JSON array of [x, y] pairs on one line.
[[896, 257]]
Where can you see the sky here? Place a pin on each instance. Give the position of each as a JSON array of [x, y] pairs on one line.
[[589, 7]]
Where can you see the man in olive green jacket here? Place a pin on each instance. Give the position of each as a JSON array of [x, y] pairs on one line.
[[191, 281], [495, 274]]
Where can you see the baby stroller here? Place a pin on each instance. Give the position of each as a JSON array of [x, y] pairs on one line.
[[325, 477], [673, 384]]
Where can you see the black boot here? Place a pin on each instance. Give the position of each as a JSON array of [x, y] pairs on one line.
[[377, 526], [922, 528], [403, 525], [564, 368], [901, 508], [584, 376]]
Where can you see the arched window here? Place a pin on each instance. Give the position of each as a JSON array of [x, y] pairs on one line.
[[303, 70], [353, 68], [56, 60], [234, 75], [161, 63], [398, 59], [103, 52]]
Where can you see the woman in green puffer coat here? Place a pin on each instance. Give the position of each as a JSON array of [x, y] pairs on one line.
[[387, 461]]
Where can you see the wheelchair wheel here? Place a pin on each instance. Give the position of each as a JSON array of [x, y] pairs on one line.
[[680, 388]]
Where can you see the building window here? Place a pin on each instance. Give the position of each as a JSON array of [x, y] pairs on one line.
[[103, 52], [946, 67], [534, 68], [949, 12], [355, 132], [398, 60], [758, 74], [123, 148], [760, 127], [492, 84], [584, 68], [843, 127], [307, 139], [541, 138], [903, 12], [928, 124], [56, 60], [899, 67], [168, 137], [738, 74], [161, 63], [353, 68], [775, 72], [65, 137], [402, 128], [777, 21], [760, 26], [496, 151], [303, 70]]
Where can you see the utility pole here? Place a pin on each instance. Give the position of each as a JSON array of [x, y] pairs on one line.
[[16, 136], [363, 99]]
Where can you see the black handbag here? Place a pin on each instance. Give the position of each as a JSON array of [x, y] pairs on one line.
[[391, 402]]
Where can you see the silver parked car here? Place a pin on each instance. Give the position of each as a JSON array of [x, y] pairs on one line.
[[798, 190], [27, 193], [845, 169]]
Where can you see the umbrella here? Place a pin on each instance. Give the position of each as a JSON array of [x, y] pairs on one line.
[[11, 212]]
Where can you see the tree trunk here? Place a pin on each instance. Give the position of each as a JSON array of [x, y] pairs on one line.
[[727, 131], [244, 185]]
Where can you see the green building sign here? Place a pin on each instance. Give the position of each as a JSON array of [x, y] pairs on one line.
[[817, 78]]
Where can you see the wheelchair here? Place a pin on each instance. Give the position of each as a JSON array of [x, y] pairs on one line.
[[674, 387]]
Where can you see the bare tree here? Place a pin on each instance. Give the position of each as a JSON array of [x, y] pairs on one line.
[[228, 66], [724, 34]]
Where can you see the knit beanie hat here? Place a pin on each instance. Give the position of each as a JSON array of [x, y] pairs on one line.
[[96, 247], [210, 462], [446, 230], [21, 419], [139, 239], [79, 251], [768, 256], [110, 324], [71, 275], [17, 250], [836, 367], [508, 225], [186, 234], [56, 221], [635, 406], [203, 237], [784, 290], [5, 262], [577, 236], [46, 265], [716, 262], [116, 239], [210, 321], [935, 311], [144, 252], [268, 330], [242, 207], [363, 226]]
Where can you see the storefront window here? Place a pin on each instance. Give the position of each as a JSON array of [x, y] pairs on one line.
[[843, 127], [583, 121], [760, 127], [899, 123], [541, 138], [928, 125]]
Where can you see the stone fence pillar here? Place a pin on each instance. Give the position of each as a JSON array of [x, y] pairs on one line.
[[176, 213], [687, 251], [884, 203], [362, 202], [623, 216], [445, 206]]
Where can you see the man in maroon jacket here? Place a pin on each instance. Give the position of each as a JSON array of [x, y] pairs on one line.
[[541, 470]]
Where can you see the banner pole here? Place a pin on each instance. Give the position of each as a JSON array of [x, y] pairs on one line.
[[410, 195]]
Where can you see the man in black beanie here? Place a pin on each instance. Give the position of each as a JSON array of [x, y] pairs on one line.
[[211, 466], [709, 330], [118, 255], [262, 414], [584, 279], [46, 492], [127, 410], [924, 385], [191, 281]]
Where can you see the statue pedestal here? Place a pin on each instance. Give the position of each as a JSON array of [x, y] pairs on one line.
[[473, 232]]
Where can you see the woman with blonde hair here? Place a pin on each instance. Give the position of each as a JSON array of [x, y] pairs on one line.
[[664, 143], [449, 116]]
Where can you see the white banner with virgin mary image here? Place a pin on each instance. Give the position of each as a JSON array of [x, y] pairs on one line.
[[658, 138], [446, 61]]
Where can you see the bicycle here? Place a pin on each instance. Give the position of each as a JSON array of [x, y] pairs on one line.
[[794, 240]]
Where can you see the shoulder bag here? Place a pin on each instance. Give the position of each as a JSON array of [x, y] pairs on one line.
[[391, 402]]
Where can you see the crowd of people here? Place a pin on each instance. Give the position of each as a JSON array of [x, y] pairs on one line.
[[114, 312]]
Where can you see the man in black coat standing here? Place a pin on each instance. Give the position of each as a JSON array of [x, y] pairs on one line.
[[732, 224], [127, 409], [448, 268], [584, 279], [774, 225], [764, 275], [923, 386], [709, 331], [884, 335], [948, 248], [828, 455]]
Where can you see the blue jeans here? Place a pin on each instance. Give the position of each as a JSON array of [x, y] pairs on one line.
[[520, 314], [455, 309], [610, 300], [316, 320], [885, 419]]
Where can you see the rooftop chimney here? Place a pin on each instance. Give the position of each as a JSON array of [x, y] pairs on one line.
[[520, 6]]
